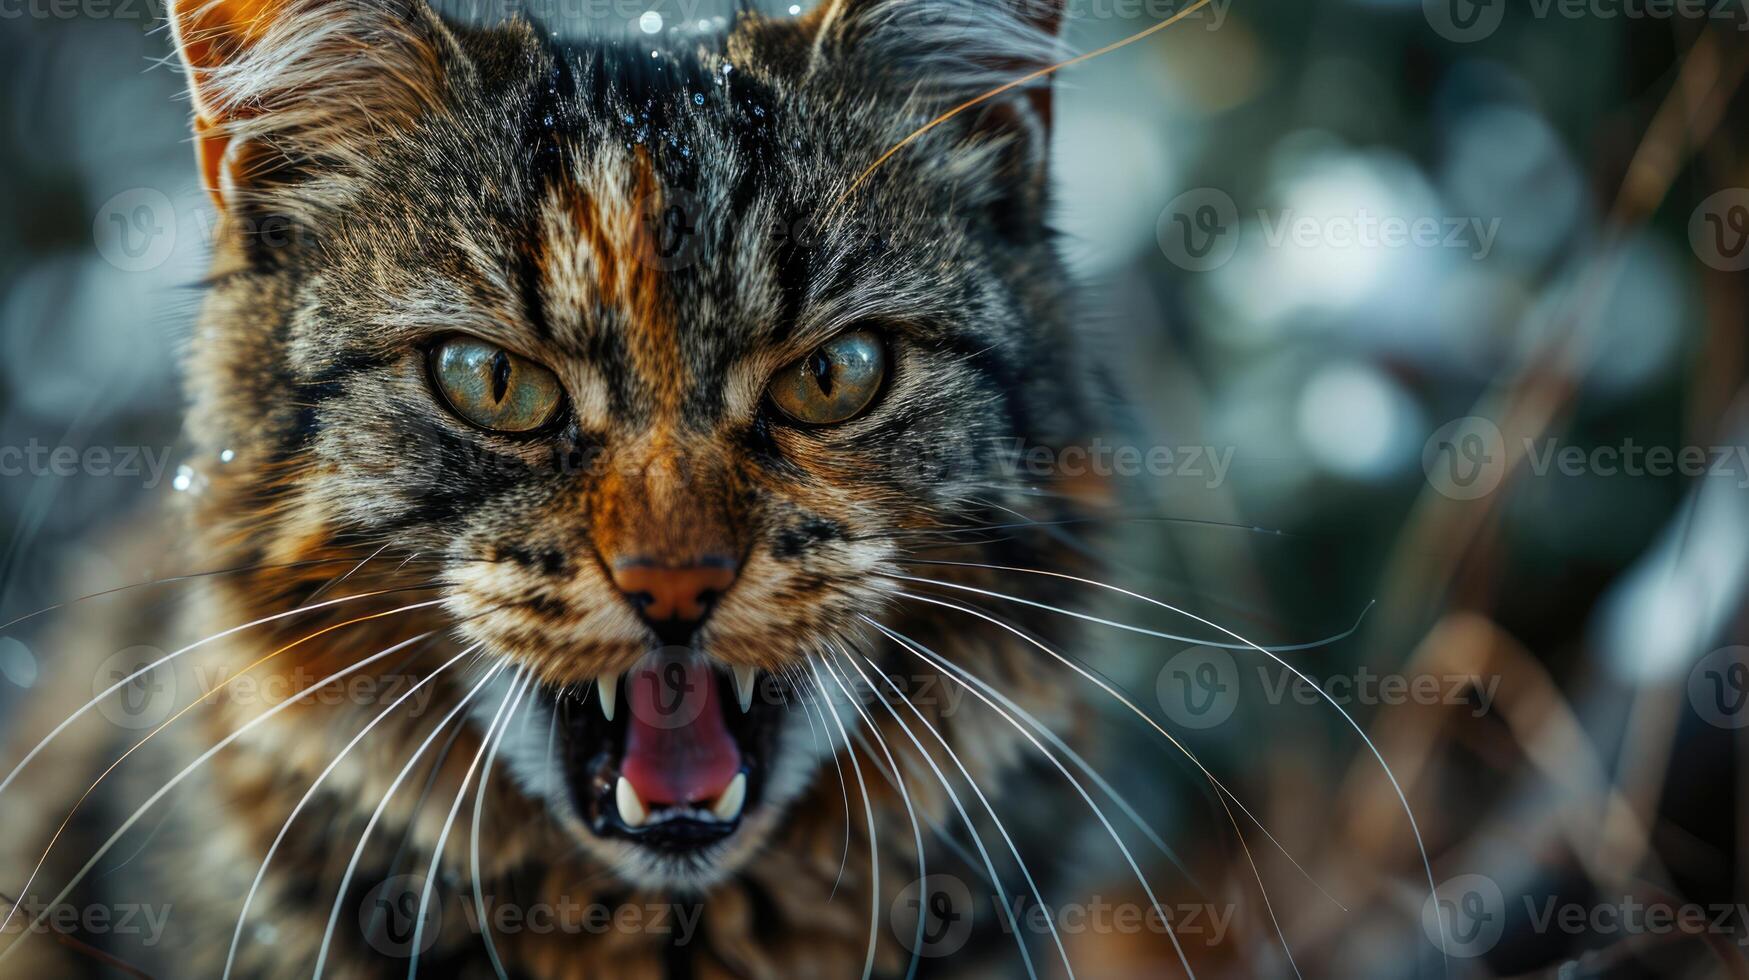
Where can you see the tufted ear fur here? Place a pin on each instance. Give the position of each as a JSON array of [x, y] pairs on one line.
[[946, 50], [280, 86], [932, 56]]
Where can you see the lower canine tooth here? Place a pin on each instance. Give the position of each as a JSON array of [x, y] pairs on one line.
[[728, 805], [608, 686], [631, 809]]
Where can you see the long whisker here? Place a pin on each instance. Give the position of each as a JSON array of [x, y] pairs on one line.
[[512, 698], [1402, 798], [874, 852], [1087, 617], [74, 810], [169, 579], [931, 657], [474, 845], [332, 583], [904, 794], [154, 665], [843, 788], [1170, 738], [377, 814], [177, 779], [310, 794], [1091, 773], [977, 840]]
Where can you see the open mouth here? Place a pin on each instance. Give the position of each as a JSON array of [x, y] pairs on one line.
[[672, 755]]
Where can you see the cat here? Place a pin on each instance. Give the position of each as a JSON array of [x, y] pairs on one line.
[[604, 397]]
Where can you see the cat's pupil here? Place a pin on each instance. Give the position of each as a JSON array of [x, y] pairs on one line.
[[821, 366], [500, 375]]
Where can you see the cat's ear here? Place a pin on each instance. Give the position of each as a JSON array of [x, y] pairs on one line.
[[284, 85], [947, 50], [935, 56]]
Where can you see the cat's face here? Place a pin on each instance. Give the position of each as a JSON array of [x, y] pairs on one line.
[[601, 328]]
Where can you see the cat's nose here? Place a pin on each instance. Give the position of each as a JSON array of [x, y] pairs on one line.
[[674, 599]]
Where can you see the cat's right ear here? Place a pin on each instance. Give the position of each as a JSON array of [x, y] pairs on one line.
[[284, 85]]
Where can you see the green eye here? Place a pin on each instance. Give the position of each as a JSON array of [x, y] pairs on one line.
[[835, 383], [493, 388]]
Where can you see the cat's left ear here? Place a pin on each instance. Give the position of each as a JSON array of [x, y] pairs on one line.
[[284, 87], [936, 55]]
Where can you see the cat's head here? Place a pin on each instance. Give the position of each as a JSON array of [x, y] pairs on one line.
[[614, 331]]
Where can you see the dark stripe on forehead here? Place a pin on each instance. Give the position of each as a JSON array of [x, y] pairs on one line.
[[551, 121], [528, 286]]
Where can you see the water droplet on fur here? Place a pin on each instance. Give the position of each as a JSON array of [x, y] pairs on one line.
[[184, 479], [629, 118], [226, 455], [547, 120], [759, 111], [698, 98]]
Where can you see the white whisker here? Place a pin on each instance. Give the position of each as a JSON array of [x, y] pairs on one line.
[[843, 788], [1126, 702], [512, 698], [376, 815], [874, 852], [177, 779], [1242, 644], [154, 665], [1402, 798], [931, 657], [977, 840], [474, 845], [904, 794], [43, 859], [261, 873]]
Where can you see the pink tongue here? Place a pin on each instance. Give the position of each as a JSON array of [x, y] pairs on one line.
[[678, 748]]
